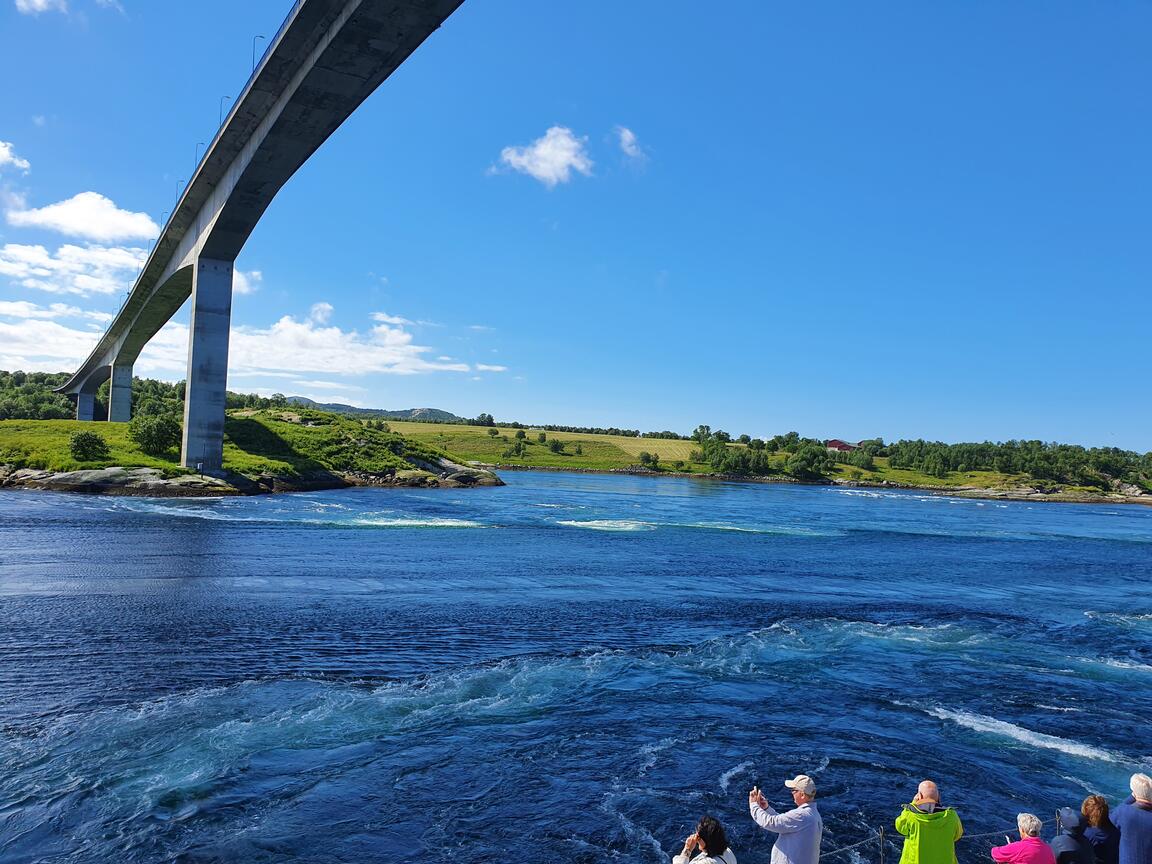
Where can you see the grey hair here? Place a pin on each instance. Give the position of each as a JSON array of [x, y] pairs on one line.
[[1142, 786], [1029, 824]]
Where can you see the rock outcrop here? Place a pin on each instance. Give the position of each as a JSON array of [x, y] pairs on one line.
[[152, 482]]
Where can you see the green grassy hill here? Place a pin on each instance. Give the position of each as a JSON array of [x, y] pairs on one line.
[[608, 452], [283, 443], [598, 452]]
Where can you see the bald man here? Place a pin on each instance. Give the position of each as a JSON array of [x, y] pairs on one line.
[[930, 831]]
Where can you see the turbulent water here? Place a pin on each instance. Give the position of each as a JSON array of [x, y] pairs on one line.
[[570, 668]]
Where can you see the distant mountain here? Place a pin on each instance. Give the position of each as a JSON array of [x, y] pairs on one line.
[[428, 415]]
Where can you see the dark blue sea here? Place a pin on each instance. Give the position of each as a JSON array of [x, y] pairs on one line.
[[568, 669]]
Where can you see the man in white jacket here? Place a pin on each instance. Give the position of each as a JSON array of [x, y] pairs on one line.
[[800, 829]]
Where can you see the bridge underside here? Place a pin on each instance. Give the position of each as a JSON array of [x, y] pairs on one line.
[[328, 57]]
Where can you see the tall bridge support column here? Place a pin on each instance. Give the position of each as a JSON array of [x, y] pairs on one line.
[[207, 381], [85, 406], [120, 393]]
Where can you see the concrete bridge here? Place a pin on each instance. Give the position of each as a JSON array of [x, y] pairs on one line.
[[326, 59]]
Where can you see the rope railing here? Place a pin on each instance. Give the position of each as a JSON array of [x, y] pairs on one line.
[[878, 836]]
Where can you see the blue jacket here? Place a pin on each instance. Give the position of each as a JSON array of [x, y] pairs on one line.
[[1134, 822], [1070, 846], [1105, 843]]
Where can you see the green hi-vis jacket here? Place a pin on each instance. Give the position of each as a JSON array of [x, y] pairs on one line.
[[929, 838]]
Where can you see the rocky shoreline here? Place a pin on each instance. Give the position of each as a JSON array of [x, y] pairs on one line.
[[1128, 495], [151, 482]]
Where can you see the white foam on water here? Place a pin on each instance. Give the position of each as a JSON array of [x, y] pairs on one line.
[[823, 766], [786, 530], [608, 524], [992, 726], [1123, 664], [1136, 618], [1061, 708], [631, 829], [727, 776], [414, 522], [651, 752], [1083, 784]]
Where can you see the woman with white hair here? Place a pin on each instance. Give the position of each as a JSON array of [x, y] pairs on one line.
[[1133, 820], [1029, 849]]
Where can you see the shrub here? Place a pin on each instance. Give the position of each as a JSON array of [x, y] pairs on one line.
[[88, 447], [154, 435]]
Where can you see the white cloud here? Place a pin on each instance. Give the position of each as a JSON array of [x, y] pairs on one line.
[[83, 270], [320, 313], [484, 367], [24, 309], [288, 348], [36, 345], [89, 215], [552, 158], [39, 120], [484, 328], [246, 282], [8, 157], [35, 7], [629, 143], [328, 385], [385, 318]]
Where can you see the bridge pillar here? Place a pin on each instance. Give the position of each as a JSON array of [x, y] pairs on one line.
[[207, 380], [85, 406], [120, 394]]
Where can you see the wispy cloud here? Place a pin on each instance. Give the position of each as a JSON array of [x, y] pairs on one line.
[[246, 282], [630, 144], [35, 7], [24, 309], [89, 215], [485, 367], [480, 327], [328, 385], [385, 318], [552, 158], [320, 313], [81, 270], [8, 157]]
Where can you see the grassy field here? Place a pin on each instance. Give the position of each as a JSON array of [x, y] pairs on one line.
[[43, 444], [600, 452], [276, 442], [258, 443], [978, 479], [605, 452]]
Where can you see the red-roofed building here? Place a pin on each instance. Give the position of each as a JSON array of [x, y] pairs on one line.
[[838, 446]]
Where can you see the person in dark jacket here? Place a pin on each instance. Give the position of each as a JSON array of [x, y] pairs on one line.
[[1133, 819], [1100, 831], [1070, 846]]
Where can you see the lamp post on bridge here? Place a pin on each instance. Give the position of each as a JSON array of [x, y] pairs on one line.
[[254, 38], [220, 114]]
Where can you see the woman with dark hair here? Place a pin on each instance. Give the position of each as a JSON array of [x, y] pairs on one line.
[[710, 841], [1101, 833]]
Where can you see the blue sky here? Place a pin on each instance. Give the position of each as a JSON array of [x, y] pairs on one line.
[[902, 219]]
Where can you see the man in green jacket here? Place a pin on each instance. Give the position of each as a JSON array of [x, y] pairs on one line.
[[930, 831]]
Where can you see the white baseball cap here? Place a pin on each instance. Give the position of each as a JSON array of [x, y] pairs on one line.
[[802, 783]]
